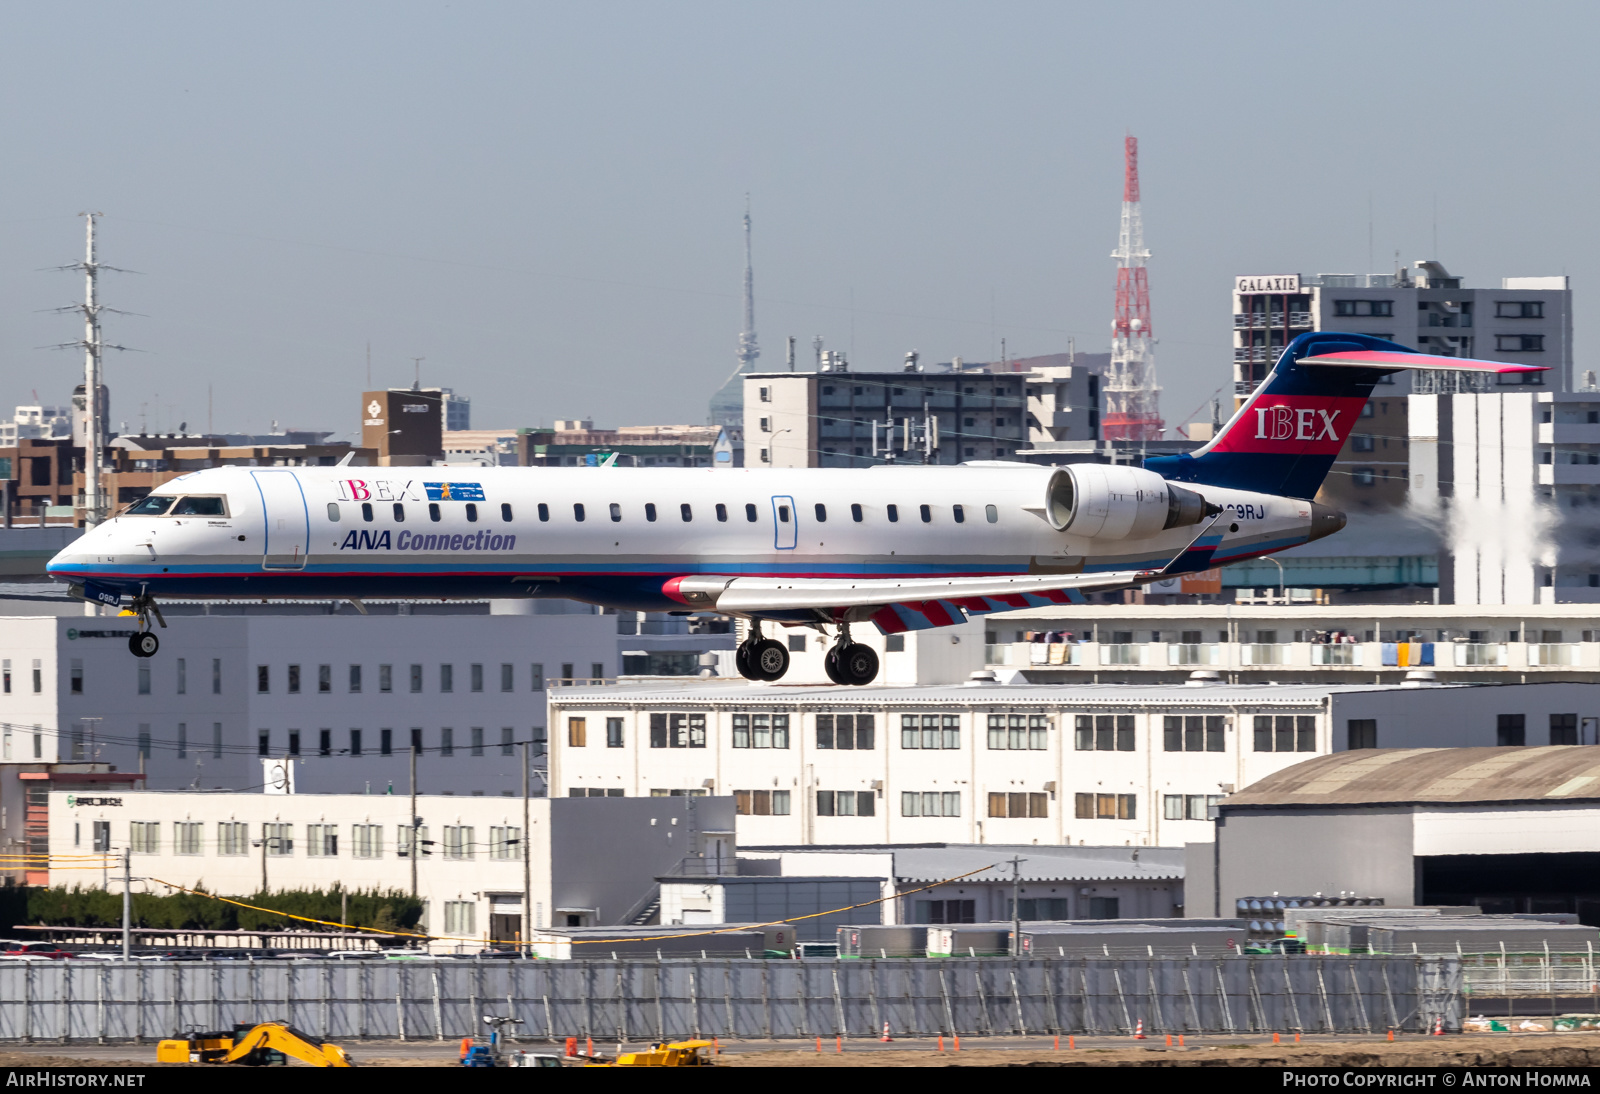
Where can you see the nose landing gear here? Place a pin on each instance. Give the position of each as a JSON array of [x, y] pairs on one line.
[[759, 658], [850, 663], [143, 642]]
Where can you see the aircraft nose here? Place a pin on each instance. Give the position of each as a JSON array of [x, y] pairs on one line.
[[1325, 520]]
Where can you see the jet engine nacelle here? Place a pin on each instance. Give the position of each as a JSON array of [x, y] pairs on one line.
[[1101, 501]]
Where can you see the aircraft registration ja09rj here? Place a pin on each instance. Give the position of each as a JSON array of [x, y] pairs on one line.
[[899, 548]]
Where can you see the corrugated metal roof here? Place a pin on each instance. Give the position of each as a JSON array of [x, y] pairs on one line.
[[1397, 775], [1163, 695], [925, 864]]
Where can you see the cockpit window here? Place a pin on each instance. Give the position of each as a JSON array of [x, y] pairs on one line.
[[152, 506], [200, 507]]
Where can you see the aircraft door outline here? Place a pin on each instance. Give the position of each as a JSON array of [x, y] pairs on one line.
[[785, 523], [286, 523]]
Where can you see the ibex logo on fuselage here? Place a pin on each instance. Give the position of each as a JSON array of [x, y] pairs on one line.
[[1282, 423]]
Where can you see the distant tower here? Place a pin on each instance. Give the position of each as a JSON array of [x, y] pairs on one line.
[[96, 504], [1131, 393], [727, 405]]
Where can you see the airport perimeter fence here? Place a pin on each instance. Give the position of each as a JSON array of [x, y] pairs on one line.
[[633, 1000]]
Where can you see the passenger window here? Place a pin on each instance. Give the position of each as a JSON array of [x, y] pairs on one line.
[[894, 513], [333, 511], [959, 513], [783, 514], [687, 513], [153, 506], [750, 513], [650, 510], [927, 513], [855, 513], [991, 514], [433, 512], [722, 512], [399, 513], [472, 512], [616, 511], [822, 513], [544, 511], [199, 507], [366, 511], [577, 510], [505, 511]]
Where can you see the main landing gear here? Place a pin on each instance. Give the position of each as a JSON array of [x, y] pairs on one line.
[[850, 663], [759, 658], [143, 642]]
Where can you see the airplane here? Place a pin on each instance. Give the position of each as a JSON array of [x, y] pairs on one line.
[[899, 548]]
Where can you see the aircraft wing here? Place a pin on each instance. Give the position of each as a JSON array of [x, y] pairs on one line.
[[898, 604]]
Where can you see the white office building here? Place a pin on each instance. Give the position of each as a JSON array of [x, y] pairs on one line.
[[590, 863], [1092, 764]]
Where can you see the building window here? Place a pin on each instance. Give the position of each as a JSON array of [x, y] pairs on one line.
[[475, 736], [577, 732], [460, 918], [947, 911], [366, 841], [416, 679], [458, 840], [761, 803], [294, 680], [355, 679], [1519, 309], [1103, 733], [504, 842], [294, 742], [508, 676], [1362, 442], [264, 742], [144, 837], [324, 679], [1361, 733], [186, 837], [1285, 733], [930, 731], [403, 840], [1519, 343], [846, 803], [144, 679], [1019, 731], [322, 840], [447, 741], [355, 742], [1105, 806], [233, 838], [38, 677], [757, 730], [1019, 805], [447, 679], [894, 643], [1189, 806], [930, 803], [77, 677], [216, 676], [1362, 308], [538, 677], [386, 742], [1193, 733], [846, 731], [1511, 729], [1563, 729], [614, 733], [216, 740]]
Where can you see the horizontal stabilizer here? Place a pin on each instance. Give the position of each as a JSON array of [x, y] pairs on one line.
[[1385, 361]]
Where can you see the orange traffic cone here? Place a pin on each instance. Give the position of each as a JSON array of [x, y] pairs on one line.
[[1138, 1031], [886, 1036], [1438, 1027]]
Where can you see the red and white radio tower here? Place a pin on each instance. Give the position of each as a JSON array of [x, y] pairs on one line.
[[1132, 395]]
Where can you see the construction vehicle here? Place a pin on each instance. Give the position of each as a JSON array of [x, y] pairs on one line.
[[494, 1054], [254, 1046], [663, 1054]]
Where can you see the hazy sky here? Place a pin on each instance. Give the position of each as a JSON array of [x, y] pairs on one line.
[[543, 200]]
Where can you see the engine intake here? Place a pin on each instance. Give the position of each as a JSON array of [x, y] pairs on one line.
[[1100, 501]]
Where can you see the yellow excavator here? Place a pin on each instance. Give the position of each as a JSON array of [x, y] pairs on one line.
[[663, 1054], [254, 1046]]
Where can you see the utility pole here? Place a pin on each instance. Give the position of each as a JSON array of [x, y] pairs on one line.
[[127, 901], [94, 410], [415, 822], [527, 859], [264, 842], [1016, 906]]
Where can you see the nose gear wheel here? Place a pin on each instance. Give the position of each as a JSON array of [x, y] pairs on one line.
[[143, 642]]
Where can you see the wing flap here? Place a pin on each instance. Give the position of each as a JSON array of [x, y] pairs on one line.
[[755, 594]]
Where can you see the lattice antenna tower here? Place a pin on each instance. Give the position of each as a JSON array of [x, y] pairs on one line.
[[1132, 394], [749, 351], [96, 505]]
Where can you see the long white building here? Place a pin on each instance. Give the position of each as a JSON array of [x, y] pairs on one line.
[[1092, 764]]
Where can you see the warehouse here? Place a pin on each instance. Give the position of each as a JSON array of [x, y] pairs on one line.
[[1504, 829]]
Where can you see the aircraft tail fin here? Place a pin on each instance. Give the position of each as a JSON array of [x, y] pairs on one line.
[[1286, 435]]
